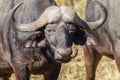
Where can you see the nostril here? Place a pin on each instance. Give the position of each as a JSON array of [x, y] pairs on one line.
[[69, 51], [61, 52]]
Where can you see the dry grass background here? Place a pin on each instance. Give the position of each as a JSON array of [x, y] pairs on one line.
[[75, 70]]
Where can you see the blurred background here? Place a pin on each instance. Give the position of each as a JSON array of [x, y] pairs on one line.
[[75, 70]]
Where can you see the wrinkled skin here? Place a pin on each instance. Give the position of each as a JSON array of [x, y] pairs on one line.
[[37, 50], [42, 44], [8, 60], [25, 53], [61, 36], [106, 40]]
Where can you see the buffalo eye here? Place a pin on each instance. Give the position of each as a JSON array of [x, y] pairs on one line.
[[50, 31], [71, 28]]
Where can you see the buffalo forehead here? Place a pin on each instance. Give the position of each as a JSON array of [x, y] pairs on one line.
[[63, 13], [67, 13]]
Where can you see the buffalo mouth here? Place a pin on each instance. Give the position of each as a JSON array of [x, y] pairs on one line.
[[66, 59]]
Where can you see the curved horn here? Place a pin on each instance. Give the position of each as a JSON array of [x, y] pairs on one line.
[[12, 12], [50, 15], [99, 22], [96, 24], [69, 15]]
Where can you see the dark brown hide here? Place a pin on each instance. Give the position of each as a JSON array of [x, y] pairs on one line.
[[106, 40], [36, 52], [11, 60]]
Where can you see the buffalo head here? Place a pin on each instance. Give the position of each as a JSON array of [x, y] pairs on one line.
[[62, 26]]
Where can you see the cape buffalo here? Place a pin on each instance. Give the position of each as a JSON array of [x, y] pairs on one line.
[[105, 40], [32, 45]]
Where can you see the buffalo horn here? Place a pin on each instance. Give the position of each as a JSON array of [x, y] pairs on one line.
[[99, 22], [69, 15], [53, 14], [45, 18], [95, 24]]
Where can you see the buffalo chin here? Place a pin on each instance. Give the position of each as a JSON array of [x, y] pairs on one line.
[[64, 60]]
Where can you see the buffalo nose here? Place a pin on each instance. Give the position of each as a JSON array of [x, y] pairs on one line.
[[65, 53]]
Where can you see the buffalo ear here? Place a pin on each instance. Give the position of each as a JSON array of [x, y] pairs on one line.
[[80, 37]]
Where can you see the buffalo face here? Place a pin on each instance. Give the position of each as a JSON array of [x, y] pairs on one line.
[[60, 37]]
